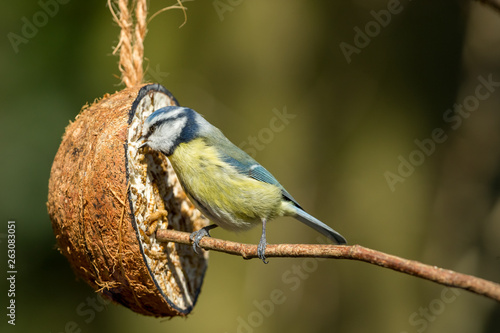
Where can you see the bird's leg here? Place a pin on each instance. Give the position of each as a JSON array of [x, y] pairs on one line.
[[196, 236], [261, 248]]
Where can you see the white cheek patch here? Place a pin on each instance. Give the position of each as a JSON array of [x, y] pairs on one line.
[[177, 126], [167, 134]]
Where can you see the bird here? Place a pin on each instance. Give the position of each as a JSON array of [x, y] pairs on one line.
[[227, 185]]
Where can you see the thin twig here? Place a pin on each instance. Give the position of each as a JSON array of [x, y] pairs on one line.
[[354, 252]]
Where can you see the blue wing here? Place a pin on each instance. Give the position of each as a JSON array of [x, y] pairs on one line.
[[243, 162], [248, 166]]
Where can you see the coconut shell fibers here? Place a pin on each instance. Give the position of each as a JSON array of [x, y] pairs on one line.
[[105, 197]]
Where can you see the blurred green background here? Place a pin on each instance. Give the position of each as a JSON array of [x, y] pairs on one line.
[[356, 118]]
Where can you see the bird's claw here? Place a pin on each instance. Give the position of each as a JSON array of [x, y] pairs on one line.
[[261, 249], [196, 236]]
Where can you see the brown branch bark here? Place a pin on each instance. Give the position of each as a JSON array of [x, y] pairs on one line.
[[354, 252]]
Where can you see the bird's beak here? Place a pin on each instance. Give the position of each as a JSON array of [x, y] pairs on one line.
[[143, 142]]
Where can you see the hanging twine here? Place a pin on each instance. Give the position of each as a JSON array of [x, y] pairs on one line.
[[131, 42]]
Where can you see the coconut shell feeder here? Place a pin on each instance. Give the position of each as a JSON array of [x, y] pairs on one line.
[[107, 200]]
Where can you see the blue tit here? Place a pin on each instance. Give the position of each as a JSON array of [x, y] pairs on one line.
[[227, 185]]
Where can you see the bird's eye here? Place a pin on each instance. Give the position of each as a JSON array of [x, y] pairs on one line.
[[151, 129]]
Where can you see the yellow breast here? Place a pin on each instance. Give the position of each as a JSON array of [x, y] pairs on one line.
[[228, 198]]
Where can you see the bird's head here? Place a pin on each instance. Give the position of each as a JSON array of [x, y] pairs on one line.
[[169, 126]]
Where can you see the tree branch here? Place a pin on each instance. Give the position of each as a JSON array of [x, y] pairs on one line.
[[495, 4], [354, 252]]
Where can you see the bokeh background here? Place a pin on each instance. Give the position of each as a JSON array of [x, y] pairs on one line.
[[356, 118]]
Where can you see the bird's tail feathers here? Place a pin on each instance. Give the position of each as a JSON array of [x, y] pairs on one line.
[[319, 226]]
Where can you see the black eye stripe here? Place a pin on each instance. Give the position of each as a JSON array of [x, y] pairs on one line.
[[185, 127], [167, 120]]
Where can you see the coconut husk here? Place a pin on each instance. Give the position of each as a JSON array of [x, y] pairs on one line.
[[107, 199]]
